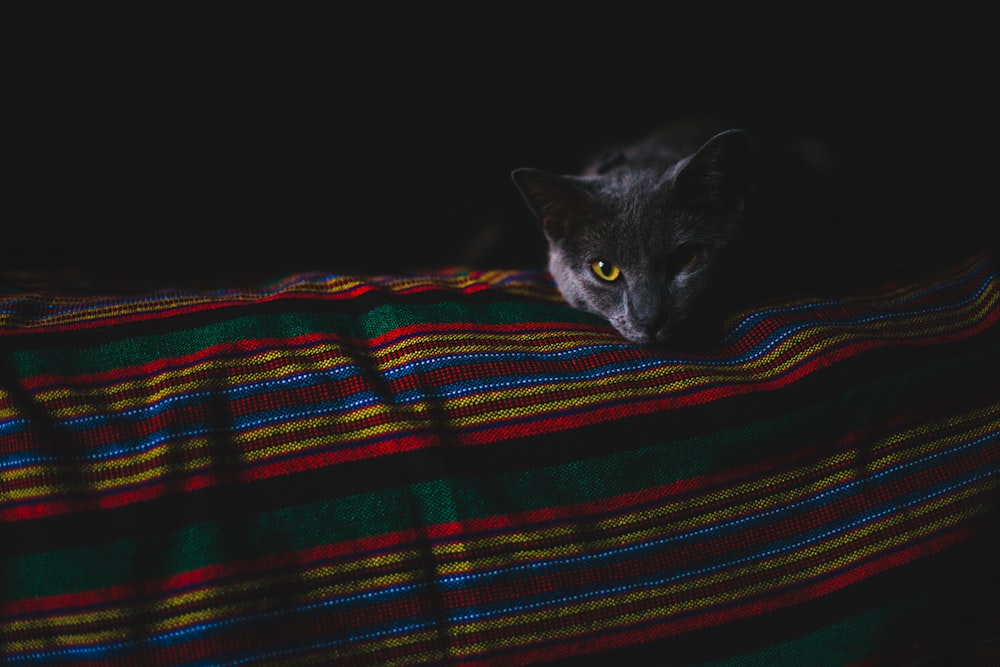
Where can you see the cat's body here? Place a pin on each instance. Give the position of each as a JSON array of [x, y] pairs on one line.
[[667, 236]]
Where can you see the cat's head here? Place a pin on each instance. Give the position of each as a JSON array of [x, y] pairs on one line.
[[645, 243]]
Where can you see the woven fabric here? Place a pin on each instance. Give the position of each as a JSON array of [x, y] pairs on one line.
[[459, 468]]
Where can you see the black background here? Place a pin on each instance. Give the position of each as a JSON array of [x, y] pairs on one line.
[[224, 147]]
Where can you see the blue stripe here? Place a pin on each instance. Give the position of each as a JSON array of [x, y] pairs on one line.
[[871, 515], [421, 395], [750, 521], [548, 600]]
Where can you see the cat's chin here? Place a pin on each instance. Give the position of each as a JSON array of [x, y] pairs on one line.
[[641, 337], [692, 338], [654, 340]]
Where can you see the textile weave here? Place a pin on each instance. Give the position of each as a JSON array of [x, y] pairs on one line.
[[459, 468]]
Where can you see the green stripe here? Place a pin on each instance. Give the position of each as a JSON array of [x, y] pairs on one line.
[[446, 500], [155, 556], [141, 349], [843, 643]]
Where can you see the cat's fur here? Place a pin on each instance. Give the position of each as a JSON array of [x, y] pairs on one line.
[[692, 225]]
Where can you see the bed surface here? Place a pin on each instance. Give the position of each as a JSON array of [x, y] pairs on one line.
[[459, 468]]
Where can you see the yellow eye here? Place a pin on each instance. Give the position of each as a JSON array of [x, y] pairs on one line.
[[605, 270]]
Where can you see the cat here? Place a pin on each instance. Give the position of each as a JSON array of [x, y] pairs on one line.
[[666, 237]]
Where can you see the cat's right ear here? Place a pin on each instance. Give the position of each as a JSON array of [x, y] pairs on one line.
[[716, 175], [559, 202]]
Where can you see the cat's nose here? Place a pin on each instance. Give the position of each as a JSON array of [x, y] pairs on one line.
[[649, 316], [653, 325]]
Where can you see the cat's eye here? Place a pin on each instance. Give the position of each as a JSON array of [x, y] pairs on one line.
[[605, 270], [684, 259], [690, 258]]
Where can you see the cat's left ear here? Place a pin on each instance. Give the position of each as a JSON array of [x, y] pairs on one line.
[[559, 202], [716, 175]]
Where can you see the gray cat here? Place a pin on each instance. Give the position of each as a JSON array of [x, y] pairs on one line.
[[662, 238]]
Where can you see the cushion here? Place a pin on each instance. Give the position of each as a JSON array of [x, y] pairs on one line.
[[459, 467]]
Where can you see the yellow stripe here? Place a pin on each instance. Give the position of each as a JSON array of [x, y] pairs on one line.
[[681, 597], [92, 308], [325, 357], [110, 474], [320, 358], [215, 607], [204, 605], [759, 496]]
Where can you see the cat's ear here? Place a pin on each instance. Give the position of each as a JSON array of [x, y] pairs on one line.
[[559, 202], [716, 175]]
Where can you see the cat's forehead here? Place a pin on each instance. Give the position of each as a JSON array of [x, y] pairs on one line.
[[628, 186], [636, 211], [628, 236]]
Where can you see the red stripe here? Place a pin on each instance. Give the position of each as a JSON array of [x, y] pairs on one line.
[[172, 486], [219, 302], [287, 292], [466, 529], [650, 564], [611, 638], [236, 349], [408, 441]]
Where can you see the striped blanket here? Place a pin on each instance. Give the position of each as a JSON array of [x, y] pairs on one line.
[[459, 468]]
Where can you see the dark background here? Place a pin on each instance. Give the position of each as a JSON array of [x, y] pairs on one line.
[[192, 147]]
